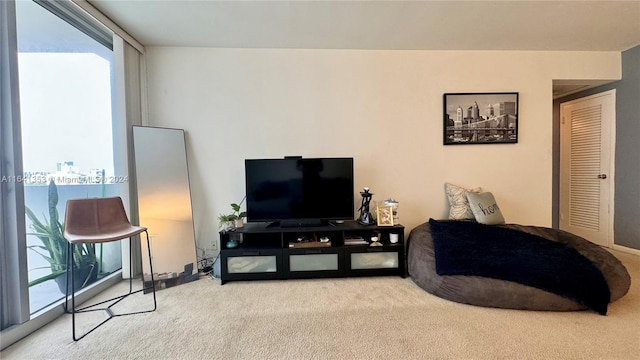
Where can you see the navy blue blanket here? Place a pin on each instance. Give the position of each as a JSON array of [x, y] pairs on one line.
[[469, 248]]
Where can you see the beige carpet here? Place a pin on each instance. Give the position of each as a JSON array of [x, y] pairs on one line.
[[350, 318]]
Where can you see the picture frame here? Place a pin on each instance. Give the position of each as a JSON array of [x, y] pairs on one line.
[[384, 215], [480, 118]]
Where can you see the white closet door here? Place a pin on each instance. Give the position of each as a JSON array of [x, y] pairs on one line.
[[586, 167]]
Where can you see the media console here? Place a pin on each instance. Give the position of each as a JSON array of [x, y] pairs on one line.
[[339, 250]]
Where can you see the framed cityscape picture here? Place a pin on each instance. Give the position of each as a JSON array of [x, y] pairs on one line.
[[480, 118]]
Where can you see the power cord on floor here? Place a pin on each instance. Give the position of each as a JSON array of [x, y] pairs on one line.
[[205, 264], [213, 274]]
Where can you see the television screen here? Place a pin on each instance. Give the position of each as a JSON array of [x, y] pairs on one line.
[[291, 190]]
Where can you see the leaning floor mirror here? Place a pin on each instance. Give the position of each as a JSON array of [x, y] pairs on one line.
[[164, 205]]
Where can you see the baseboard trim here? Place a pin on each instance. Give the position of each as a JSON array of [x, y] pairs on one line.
[[626, 249]]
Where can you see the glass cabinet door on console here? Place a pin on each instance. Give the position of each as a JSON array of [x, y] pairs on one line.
[[374, 260], [313, 262], [247, 264]]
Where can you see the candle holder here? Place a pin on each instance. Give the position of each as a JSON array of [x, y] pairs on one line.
[[365, 217]]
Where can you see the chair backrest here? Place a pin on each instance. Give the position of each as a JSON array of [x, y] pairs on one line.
[[95, 216]]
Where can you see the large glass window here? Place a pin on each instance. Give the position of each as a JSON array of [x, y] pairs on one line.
[[65, 79]]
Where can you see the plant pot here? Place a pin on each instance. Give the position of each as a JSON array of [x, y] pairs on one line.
[[82, 277], [228, 226], [239, 223]]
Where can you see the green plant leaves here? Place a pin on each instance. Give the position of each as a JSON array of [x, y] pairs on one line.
[[54, 245]]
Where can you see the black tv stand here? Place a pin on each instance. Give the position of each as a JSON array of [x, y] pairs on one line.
[[272, 251]]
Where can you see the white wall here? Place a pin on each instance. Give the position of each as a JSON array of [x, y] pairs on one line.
[[384, 108]]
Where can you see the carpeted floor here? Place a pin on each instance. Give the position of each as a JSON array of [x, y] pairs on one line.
[[347, 318]]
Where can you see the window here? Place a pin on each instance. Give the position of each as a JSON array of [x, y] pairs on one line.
[[69, 145]]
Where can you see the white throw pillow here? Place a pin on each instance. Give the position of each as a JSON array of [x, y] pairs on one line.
[[459, 205], [485, 209]]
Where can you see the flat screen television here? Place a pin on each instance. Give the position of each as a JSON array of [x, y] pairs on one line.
[[296, 191]]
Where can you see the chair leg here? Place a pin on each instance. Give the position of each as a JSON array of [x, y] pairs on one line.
[[66, 292], [131, 267], [73, 292], [117, 299]]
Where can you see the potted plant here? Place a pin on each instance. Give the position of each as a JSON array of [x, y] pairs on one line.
[[234, 220], [240, 215], [54, 248], [226, 222]]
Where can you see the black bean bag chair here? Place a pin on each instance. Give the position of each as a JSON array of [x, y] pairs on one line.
[[492, 292]]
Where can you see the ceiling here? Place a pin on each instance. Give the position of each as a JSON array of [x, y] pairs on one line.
[[384, 25]]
